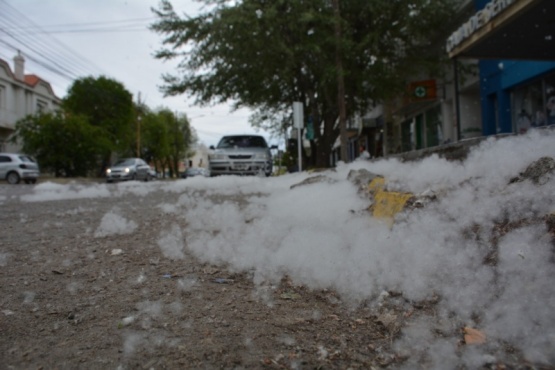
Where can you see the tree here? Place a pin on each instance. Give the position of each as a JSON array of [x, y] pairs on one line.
[[181, 137], [167, 139], [155, 144], [65, 145], [267, 54], [107, 105]]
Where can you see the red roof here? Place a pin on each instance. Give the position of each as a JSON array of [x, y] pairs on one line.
[[30, 80]]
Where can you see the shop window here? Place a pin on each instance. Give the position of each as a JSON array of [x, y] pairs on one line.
[[419, 121], [434, 135], [528, 107], [406, 137], [495, 105], [534, 105], [549, 90]]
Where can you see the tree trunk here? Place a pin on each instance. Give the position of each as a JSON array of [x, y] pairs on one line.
[[340, 84], [326, 141]]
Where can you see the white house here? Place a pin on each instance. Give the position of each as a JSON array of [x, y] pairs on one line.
[[199, 159], [21, 95]]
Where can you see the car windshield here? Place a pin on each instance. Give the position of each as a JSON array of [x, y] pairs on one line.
[[125, 162], [242, 142]]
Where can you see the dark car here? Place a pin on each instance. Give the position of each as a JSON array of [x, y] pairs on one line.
[[128, 169], [17, 167], [241, 155]]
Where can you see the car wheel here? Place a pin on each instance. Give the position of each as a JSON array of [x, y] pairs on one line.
[[134, 177], [34, 181], [13, 178]]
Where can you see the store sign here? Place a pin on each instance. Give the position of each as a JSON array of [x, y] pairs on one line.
[[477, 21], [422, 90]]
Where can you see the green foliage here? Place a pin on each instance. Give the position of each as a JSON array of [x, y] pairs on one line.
[[267, 54], [107, 105], [154, 137], [166, 139], [100, 119], [65, 146]]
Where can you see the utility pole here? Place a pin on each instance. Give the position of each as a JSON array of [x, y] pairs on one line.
[[340, 84], [139, 125]]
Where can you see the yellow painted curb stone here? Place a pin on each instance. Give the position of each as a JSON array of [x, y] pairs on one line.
[[386, 203]]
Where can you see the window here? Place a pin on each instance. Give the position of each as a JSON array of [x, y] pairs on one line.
[[2, 97], [41, 106], [434, 135], [242, 142], [534, 105], [549, 91]]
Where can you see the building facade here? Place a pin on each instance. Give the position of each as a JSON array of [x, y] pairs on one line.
[[21, 95], [425, 115], [514, 41], [502, 80]]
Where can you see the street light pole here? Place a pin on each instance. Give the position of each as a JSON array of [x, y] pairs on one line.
[[139, 137]]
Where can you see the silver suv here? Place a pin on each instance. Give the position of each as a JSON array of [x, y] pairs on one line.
[[17, 167], [241, 155]]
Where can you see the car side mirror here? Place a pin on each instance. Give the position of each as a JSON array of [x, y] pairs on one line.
[[274, 147], [211, 147]]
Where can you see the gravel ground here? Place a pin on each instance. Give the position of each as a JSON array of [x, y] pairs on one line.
[[72, 298]]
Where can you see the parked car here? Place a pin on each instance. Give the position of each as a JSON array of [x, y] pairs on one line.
[[128, 169], [17, 167], [241, 155], [195, 171], [152, 174]]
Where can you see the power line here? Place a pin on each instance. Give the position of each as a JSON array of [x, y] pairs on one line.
[[44, 50], [99, 23], [47, 45], [61, 70], [124, 25], [40, 62]]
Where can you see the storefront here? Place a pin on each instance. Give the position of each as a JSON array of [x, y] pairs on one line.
[[421, 119], [515, 43], [534, 104], [422, 130]]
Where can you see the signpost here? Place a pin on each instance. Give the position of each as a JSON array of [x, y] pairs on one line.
[[298, 123]]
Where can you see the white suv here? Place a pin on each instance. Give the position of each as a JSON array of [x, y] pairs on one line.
[[17, 167], [241, 155]]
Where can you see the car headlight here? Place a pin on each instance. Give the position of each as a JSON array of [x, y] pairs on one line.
[[108, 171], [216, 156], [127, 170]]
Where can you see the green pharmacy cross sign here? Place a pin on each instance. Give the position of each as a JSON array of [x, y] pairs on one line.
[[420, 92]]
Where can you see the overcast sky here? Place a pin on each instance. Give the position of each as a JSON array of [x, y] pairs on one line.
[[67, 39]]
